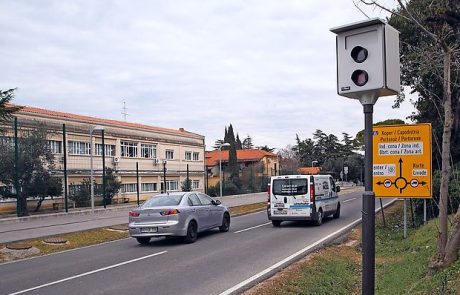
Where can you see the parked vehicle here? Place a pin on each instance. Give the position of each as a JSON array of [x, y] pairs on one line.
[[182, 214], [302, 197]]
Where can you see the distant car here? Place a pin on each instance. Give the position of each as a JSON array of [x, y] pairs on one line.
[[182, 214]]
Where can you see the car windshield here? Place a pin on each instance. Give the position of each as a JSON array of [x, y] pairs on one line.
[[290, 187], [164, 200]]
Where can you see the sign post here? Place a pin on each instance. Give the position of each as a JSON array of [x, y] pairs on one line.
[[402, 163], [367, 68]]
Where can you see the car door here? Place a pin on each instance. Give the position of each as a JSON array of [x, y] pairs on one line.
[[215, 212], [199, 210], [206, 203]]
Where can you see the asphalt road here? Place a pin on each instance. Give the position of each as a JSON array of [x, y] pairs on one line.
[[213, 265]]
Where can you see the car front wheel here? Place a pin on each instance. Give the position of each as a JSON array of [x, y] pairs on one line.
[[192, 232], [225, 223]]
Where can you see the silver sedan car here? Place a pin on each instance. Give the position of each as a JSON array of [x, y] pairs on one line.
[[182, 214]]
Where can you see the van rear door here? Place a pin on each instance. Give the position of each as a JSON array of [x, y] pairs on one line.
[[290, 197]]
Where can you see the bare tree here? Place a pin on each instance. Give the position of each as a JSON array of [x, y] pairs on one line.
[[439, 23], [289, 160]]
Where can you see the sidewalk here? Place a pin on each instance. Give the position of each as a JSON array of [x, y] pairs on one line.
[[17, 229]]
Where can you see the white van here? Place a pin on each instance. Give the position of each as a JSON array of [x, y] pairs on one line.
[[302, 197]]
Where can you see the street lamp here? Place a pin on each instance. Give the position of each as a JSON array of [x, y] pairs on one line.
[[91, 130], [220, 164], [164, 176], [313, 163]]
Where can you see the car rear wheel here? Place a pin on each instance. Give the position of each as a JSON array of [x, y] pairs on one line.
[[337, 213], [276, 223], [319, 218], [192, 232], [225, 223], [143, 240]]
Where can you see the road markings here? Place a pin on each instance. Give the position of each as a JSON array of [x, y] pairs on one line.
[[249, 228], [88, 273], [349, 200], [286, 261]]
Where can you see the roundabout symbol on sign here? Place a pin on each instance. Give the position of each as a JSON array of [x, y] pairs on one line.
[[400, 182]]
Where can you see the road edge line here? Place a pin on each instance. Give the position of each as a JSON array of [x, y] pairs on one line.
[[270, 271]]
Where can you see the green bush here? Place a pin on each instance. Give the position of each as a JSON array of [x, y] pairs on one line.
[[82, 197]]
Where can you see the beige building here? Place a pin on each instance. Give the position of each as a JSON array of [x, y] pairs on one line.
[[269, 162], [127, 145]]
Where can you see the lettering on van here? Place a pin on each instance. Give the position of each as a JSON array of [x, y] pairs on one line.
[[289, 188]]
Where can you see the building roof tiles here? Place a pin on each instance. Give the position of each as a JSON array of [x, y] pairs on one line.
[[212, 157], [87, 119]]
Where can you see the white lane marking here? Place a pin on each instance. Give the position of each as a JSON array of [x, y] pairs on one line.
[[293, 256], [249, 228], [349, 200], [88, 273]]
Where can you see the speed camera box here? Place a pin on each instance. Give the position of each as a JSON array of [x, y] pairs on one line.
[[367, 59]]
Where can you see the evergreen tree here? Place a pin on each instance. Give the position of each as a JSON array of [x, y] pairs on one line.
[[217, 144], [238, 143], [266, 148], [6, 110], [247, 143], [113, 185], [226, 139], [36, 166], [232, 159]]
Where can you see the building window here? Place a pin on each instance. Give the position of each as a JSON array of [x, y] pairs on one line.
[[188, 156], [79, 148], [169, 154], [196, 156], [149, 187], [129, 187], [171, 185], [55, 146], [109, 150], [149, 151], [195, 184], [74, 189], [129, 149]]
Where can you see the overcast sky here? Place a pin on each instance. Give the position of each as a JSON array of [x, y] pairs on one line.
[[267, 67]]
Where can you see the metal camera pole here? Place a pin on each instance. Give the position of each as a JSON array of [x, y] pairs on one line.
[[368, 212]]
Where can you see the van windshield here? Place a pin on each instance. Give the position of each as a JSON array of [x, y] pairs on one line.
[[290, 187]]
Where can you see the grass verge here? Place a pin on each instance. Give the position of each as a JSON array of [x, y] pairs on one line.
[[401, 265], [89, 237]]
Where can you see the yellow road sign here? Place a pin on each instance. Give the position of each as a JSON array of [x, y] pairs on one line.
[[402, 161]]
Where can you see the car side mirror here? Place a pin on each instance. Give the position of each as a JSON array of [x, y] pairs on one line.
[[216, 202], [337, 189]]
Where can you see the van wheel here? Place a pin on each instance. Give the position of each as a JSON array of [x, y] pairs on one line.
[[337, 213], [319, 218], [276, 223]]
